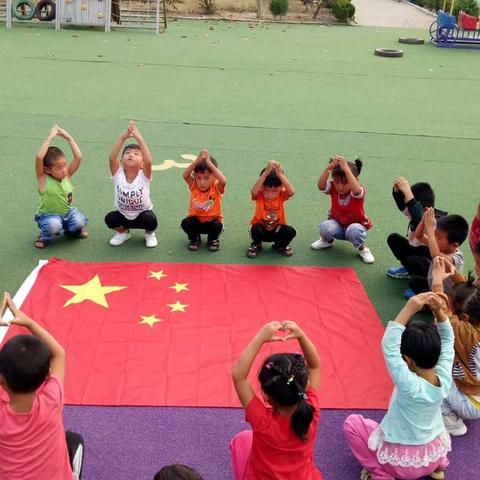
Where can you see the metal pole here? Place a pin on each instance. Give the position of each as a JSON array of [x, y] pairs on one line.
[[259, 9], [164, 13], [157, 17], [9, 13]]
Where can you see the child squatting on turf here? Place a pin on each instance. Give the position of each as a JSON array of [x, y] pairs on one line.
[[346, 218], [207, 185], [269, 224], [462, 305], [33, 443], [411, 201], [55, 212], [411, 440], [283, 434], [131, 179]]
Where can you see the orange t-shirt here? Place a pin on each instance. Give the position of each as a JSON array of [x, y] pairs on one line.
[[270, 213], [206, 206]]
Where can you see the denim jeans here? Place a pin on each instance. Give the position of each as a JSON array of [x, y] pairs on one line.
[[354, 233], [51, 224]]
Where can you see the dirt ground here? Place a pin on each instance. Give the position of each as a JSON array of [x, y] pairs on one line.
[[247, 10]]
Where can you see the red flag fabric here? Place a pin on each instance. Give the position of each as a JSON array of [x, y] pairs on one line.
[[168, 334]]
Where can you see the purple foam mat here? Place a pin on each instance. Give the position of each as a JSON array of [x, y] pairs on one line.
[[132, 443]]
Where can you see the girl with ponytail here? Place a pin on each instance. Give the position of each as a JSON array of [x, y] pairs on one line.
[[346, 218], [280, 445]]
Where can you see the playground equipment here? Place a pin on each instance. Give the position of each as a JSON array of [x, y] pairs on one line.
[[92, 13], [446, 32]]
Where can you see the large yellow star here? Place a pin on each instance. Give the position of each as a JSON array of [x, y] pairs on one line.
[[92, 290], [151, 320], [158, 275], [177, 307], [178, 287]]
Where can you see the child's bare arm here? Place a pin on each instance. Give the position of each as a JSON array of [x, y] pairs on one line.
[[290, 191], [222, 181], [244, 364], [353, 183], [403, 185], [42, 151], [57, 363], [258, 185], [420, 234], [117, 146], [77, 154], [322, 181], [187, 173], [430, 223], [309, 352], [147, 156]]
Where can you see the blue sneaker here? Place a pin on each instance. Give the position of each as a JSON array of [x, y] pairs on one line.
[[409, 293], [398, 272]]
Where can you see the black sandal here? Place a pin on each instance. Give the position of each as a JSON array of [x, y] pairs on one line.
[[40, 244], [194, 245], [254, 250], [214, 245], [285, 251]]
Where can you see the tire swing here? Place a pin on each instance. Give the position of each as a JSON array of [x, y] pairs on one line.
[[23, 9], [45, 10]]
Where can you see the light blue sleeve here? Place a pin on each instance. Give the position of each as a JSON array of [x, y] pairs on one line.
[[445, 362], [403, 378]]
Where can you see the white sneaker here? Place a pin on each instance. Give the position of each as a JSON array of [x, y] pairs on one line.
[[119, 238], [366, 255], [320, 244], [151, 240], [454, 425]]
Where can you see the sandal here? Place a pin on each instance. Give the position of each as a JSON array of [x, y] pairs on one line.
[[194, 245], [39, 243], [83, 233], [214, 245], [285, 251], [254, 250]]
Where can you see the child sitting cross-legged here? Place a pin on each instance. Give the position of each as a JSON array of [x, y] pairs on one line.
[[34, 445], [411, 440], [269, 224]]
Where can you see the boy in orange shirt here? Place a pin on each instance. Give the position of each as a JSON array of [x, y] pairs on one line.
[[207, 185], [270, 192]]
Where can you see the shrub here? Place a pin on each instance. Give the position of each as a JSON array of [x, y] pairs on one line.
[[208, 6], [278, 7], [343, 10], [468, 6]]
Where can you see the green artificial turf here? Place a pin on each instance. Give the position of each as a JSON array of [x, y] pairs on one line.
[[294, 93]]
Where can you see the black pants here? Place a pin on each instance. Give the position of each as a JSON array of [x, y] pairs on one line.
[[145, 221], [193, 227], [415, 259], [281, 236], [75, 447]]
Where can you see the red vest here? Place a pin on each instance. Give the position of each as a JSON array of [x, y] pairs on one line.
[[346, 209]]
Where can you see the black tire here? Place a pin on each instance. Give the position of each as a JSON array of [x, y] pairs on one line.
[[388, 52], [411, 40], [17, 13], [43, 5]]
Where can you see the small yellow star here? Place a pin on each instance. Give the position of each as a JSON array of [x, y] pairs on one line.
[[177, 307], [158, 275], [151, 320], [92, 290], [178, 287]]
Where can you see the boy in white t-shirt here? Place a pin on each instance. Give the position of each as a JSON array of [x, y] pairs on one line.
[[132, 179]]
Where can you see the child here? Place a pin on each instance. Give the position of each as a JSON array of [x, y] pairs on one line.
[[55, 212], [474, 241], [411, 440], [440, 237], [346, 219], [411, 201], [270, 192], [177, 472], [281, 445], [207, 186], [33, 442], [132, 180], [463, 301]]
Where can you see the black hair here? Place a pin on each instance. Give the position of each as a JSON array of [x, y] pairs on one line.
[[284, 378], [24, 363], [52, 155], [421, 342], [202, 166], [177, 472], [132, 146], [465, 298], [423, 192], [355, 167], [455, 226], [271, 180]]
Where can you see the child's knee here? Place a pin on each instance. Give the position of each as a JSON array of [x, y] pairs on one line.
[[327, 229], [356, 234], [50, 226]]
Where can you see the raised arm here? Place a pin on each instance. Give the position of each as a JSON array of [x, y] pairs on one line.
[[117, 146], [77, 154], [322, 181], [258, 185], [147, 156], [222, 181], [42, 151], [57, 363], [430, 223], [309, 352], [352, 181], [420, 233], [290, 191], [187, 173], [244, 364]]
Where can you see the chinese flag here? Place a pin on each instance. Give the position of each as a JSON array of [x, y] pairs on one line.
[[168, 334]]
